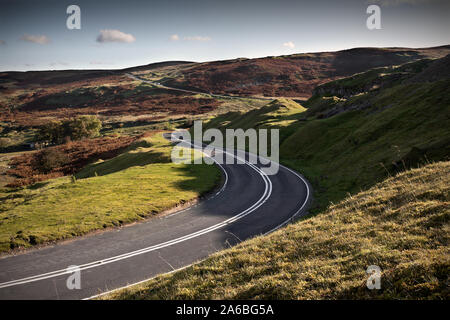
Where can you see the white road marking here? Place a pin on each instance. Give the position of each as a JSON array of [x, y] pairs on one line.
[[132, 76], [308, 192], [256, 205], [300, 209]]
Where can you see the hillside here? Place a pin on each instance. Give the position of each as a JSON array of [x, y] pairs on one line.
[[292, 75], [30, 99], [349, 138], [137, 184], [363, 132], [400, 225], [276, 113], [112, 97]]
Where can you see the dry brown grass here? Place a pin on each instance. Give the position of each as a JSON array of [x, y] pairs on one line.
[[401, 225], [108, 96], [292, 75], [27, 170]]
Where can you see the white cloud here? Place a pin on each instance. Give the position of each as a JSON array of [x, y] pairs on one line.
[[197, 38], [289, 44], [109, 35], [36, 39], [174, 37]]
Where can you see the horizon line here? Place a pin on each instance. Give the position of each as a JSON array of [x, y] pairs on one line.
[[219, 60]]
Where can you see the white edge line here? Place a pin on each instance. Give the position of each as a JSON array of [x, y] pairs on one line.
[[145, 280], [184, 267], [300, 209], [197, 262], [56, 273]]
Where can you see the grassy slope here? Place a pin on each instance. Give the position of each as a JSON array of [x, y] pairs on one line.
[[280, 113], [135, 185], [345, 144], [403, 126], [401, 225]]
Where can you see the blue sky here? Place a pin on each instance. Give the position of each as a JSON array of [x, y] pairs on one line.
[[33, 34]]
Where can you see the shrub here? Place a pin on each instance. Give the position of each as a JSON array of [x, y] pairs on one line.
[[4, 142], [51, 132], [74, 129], [50, 159], [27, 168], [84, 127]]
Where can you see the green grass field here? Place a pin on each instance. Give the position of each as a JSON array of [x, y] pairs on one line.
[[400, 225], [135, 185]]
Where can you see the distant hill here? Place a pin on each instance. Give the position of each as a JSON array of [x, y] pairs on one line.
[[29, 99], [157, 65], [284, 76], [50, 77], [293, 75]]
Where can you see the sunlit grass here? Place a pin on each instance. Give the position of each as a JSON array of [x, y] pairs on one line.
[[135, 185], [400, 225]]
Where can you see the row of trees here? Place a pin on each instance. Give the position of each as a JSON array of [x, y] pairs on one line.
[[73, 129]]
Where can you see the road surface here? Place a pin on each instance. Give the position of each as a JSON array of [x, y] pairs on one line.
[[249, 203], [215, 95]]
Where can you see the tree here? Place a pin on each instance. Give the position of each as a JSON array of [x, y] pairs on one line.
[[84, 127], [52, 132], [75, 129]]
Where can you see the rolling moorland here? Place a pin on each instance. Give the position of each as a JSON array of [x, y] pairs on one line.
[[354, 141], [363, 116], [293, 76], [355, 131]]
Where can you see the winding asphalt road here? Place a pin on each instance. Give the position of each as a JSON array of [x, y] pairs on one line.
[[249, 203]]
